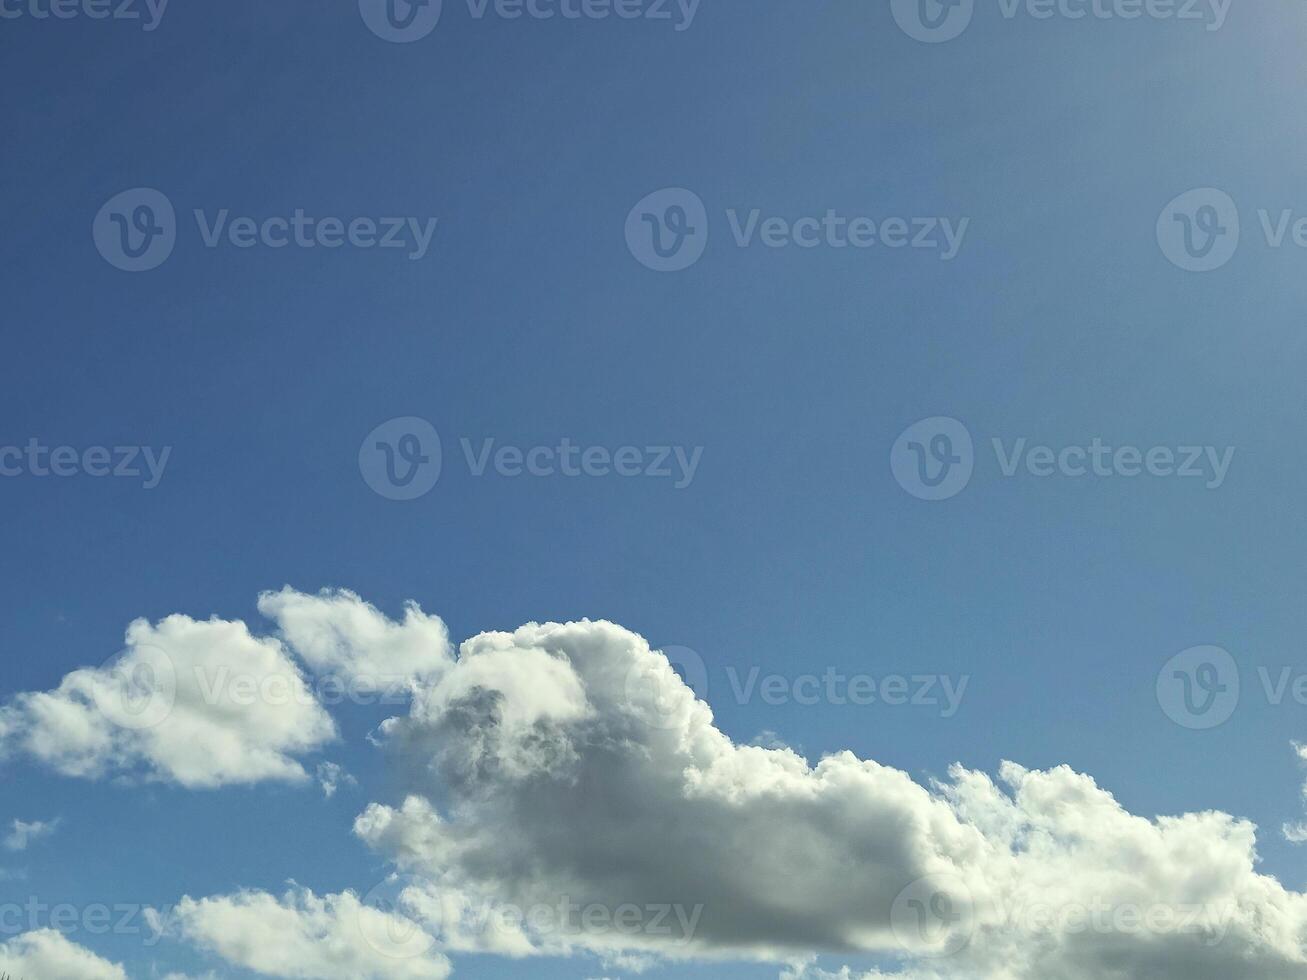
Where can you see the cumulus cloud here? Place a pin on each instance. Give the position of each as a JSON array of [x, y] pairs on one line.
[[308, 937], [208, 703], [576, 771], [198, 703], [46, 953], [23, 833], [339, 635], [562, 790]]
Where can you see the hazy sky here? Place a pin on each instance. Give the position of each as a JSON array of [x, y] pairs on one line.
[[921, 391]]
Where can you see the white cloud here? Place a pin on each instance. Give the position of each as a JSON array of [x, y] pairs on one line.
[[580, 778], [46, 953], [339, 635], [201, 704], [577, 765], [23, 833], [1297, 833], [307, 937], [207, 704], [331, 777]]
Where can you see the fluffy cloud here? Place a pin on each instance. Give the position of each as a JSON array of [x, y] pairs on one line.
[[307, 937], [46, 953], [563, 790], [208, 704], [581, 773], [24, 833], [201, 704], [339, 635]]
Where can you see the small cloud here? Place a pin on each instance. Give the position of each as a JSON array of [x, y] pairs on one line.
[[331, 777], [767, 739], [24, 833], [1296, 833]]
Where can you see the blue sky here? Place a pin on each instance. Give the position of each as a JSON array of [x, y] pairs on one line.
[[528, 321]]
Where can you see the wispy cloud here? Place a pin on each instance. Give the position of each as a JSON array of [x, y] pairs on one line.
[[22, 834]]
